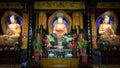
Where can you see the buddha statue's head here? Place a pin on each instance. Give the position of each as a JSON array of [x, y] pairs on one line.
[[13, 19], [60, 18], [106, 19]]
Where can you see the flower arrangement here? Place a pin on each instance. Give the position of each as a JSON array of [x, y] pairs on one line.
[[82, 43], [64, 40], [67, 39], [51, 38]]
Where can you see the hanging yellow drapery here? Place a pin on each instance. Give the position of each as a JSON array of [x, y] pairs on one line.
[[77, 20], [42, 19]]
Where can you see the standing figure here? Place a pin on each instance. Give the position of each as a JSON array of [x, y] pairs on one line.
[[14, 28]]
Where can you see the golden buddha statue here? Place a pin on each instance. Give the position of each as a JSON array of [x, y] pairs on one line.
[[105, 28], [60, 27], [13, 28]]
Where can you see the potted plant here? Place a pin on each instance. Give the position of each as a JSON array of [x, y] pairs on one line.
[[82, 45]]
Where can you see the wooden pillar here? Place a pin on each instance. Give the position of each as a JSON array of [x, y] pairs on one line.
[[37, 21], [94, 31], [25, 31]]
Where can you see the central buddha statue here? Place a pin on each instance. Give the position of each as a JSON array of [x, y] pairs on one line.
[[59, 27]]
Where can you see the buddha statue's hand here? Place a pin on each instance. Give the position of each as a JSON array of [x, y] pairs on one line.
[[113, 35], [103, 32]]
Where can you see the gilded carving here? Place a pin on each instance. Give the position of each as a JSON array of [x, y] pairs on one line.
[[25, 31], [108, 5], [13, 5], [59, 5]]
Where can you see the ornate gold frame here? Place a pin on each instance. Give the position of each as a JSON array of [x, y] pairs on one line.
[[49, 5], [106, 5], [53, 16], [10, 5]]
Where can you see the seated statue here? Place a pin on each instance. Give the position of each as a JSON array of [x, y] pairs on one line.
[[60, 27], [12, 33], [105, 29], [13, 28], [107, 33]]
